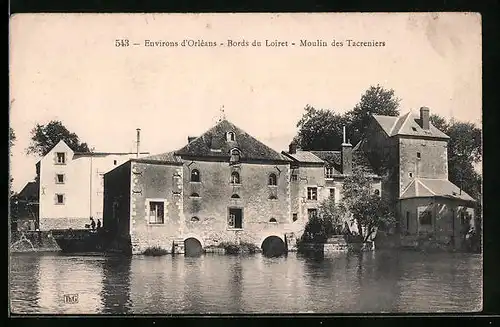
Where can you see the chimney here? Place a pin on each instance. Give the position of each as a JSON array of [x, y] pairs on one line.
[[424, 117], [346, 155], [138, 141], [292, 148], [191, 139]]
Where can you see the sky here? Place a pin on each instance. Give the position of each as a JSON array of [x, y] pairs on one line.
[[66, 67]]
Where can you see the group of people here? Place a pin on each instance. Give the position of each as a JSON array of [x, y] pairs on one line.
[[93, 224]]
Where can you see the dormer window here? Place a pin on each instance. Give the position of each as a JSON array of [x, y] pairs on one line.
[[235, 155], [235, 177], [329, 172], [230, 136], [273, 180], [195, 176]]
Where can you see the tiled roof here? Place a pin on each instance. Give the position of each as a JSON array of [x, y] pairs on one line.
[[86, 154], [305, 157], [29, 191], [334, 158], [213, 143], [407, 124], [167, 157], [427, 187]]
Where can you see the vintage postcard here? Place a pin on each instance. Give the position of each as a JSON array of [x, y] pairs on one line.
[[245, 163]]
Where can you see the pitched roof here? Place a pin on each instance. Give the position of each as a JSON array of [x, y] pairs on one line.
[[407, 124], [334, 158], [213, 143], [427, 187], [29, 191], [167, 157], [304, 157]]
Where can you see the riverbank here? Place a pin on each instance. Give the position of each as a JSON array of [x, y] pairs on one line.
[[33, 241]]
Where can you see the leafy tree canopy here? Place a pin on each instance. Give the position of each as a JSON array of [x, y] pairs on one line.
[[45, 137]]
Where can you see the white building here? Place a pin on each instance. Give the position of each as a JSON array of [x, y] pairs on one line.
[[72, 185]]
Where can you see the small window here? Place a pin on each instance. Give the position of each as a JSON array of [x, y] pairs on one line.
[[156, 212], [294, 217], [235, 155], [195, 219], [329, 172], [407, 221], [273, 181], [235, 177], [235, 196], [312, 193], [61, 158], [332, 194], [235, 218], [377, 192], [195, 195], [60, 178], [425, 218], [230, 136], [195, 175], [294, 177], [414, 129], [114, 162], [273, 197], [419, 155], [410, 174], [60, 199], [272, 220]]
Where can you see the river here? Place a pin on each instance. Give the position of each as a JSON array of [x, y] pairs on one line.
[[377, 282]]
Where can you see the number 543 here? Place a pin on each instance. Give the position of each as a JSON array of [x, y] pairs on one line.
[[121, 43]]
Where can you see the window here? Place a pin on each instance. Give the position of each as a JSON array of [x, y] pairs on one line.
[[235, 177], [410, 174], [329, 172], [114, 162], [407, 221], [425, 217], [230, 136], [414, 129], [294, 177], [195, 219], [419, 155], [377, 192], [312, 213], [61, 158], [235, 155], [235, 219], [235, 196], [272, 220], [60, 178], [312, 193], [60, 199], [332, 194], [156, 212], [272, 180], [195, 195], [273, 197], [195, 175], [294, 217]]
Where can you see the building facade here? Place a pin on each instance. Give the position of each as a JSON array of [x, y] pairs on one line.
[[223, 186], [71, 186], [414, 154]]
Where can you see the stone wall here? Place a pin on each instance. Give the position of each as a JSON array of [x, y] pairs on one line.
[[32, 241], [47, 223]]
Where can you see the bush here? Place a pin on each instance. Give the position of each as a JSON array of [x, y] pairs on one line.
[[155, 251]]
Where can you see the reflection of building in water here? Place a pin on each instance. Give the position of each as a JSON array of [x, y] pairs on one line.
[[60, 276], [115, 294]]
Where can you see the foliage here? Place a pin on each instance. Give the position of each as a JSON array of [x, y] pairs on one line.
[[321, 129], [243, 247], [12, 139], [328, 222], [464, 151], [12, 136], [155, 251], [368, 210], [45, 137]]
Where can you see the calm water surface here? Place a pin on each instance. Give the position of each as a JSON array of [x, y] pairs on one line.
[[376, 282]]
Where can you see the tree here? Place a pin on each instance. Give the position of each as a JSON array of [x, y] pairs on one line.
[[321, 129], [45, 137], [325, 224], [12, 139], [367, 209], [375, 101]]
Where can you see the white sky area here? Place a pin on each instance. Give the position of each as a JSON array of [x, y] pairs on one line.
[[66, 67]]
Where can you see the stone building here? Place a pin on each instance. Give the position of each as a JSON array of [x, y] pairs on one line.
[[71, 185], [414, 154], [223, 186]]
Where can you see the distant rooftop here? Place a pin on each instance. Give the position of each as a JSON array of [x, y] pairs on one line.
[[409, 125]]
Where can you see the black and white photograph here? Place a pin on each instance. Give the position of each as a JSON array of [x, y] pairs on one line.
[[245, 163]]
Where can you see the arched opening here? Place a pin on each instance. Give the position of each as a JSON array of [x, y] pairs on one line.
[[195, 219], [272, 220], [235, 196], [235, 177], [273, 246], [195, 175], [230, 136], [195, 195], [192, 247], [273, 197], [273, 180], [235, 156], [377, 192]]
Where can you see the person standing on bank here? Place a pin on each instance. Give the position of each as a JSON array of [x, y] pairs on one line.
[[98, 223], [92, 223]]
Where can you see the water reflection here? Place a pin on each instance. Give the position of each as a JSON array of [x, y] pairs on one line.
[[367, 282]]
